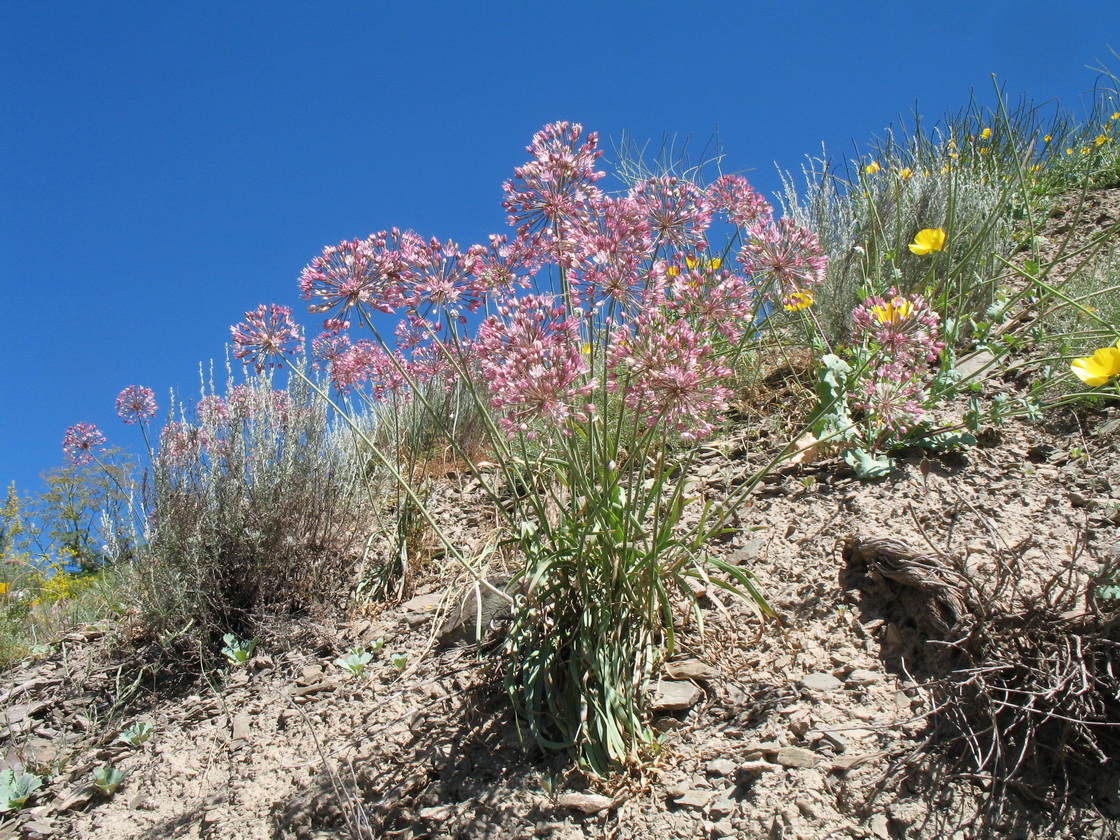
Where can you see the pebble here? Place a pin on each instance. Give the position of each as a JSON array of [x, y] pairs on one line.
[[796, 757], [861, 677], [723, 828], [674, 696], [820, 681], [588, 803], [694, 799], [720, 767]]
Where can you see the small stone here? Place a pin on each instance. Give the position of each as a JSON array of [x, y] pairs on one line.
[[588, 803], [720, 767], [723, 828], [723, 806], [861, 677], [880, 827], [694, 799], [796, 757], [691, 669], [820, 681], [242, 725], [674, 696]]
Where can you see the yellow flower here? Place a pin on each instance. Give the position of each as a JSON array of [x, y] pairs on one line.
[[585, 349], [673, 270], [927, 241], [1035, 168], [986, 133], [872, 168], [1115, 116], [905, 173], [892, 312], [1100, 139], [1047, 139], [798, 300], [945, 169], [1099, 368], [711, 265], [3, 586], [984, 150]]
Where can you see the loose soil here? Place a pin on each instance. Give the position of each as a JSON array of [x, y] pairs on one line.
[[826, 722]]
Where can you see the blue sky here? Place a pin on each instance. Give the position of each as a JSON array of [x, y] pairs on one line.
[[165, 167]]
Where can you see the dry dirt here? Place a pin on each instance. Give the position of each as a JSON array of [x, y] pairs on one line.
[[811, 726]]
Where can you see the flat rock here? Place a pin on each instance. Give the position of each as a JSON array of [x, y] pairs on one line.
[[674, 696], [694, 799], [720, 767], [691, 669], [861, 677], [796, 757], [588, 803], [820, 681]]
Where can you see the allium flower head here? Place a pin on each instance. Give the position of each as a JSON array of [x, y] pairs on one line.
[[789, 255], [1099, 368], [611, 251], [530, 356], [136, 404], [79, 442], [554, 187], [666, 374], [904, 329], [267, 333], [679, 211], [355, 274], [733, 195], [927, 241]]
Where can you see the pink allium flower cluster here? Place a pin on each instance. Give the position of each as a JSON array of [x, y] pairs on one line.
[[611, 252], [503, 265], [789, 256], [265, 336], [905, 329], [724, 302], [354, 274], [366, 361], [554, 187], [903, 333], [531, 357], [738, 199], [136, 404], [438, 276], [893, 398], [666, 374], [79, 442], [679, 211]]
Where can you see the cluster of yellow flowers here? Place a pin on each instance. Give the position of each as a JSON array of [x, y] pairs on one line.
[[1100, 367]]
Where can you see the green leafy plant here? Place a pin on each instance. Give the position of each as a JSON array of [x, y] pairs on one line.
[[399, 661], [15, 791], [107, 779], [136, 734], [355, 661], [238, 651]]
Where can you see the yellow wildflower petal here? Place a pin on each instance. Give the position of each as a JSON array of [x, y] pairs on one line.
[[905, 173], [713, 265], [872, 168], [798, 300], [1115, 116], [986, 133], [1100, 139], [673, 270], [1099, 368], [691, 263], [927, 241], [892, 312]]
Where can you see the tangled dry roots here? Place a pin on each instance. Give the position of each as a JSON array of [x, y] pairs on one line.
[[1026, 688]]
